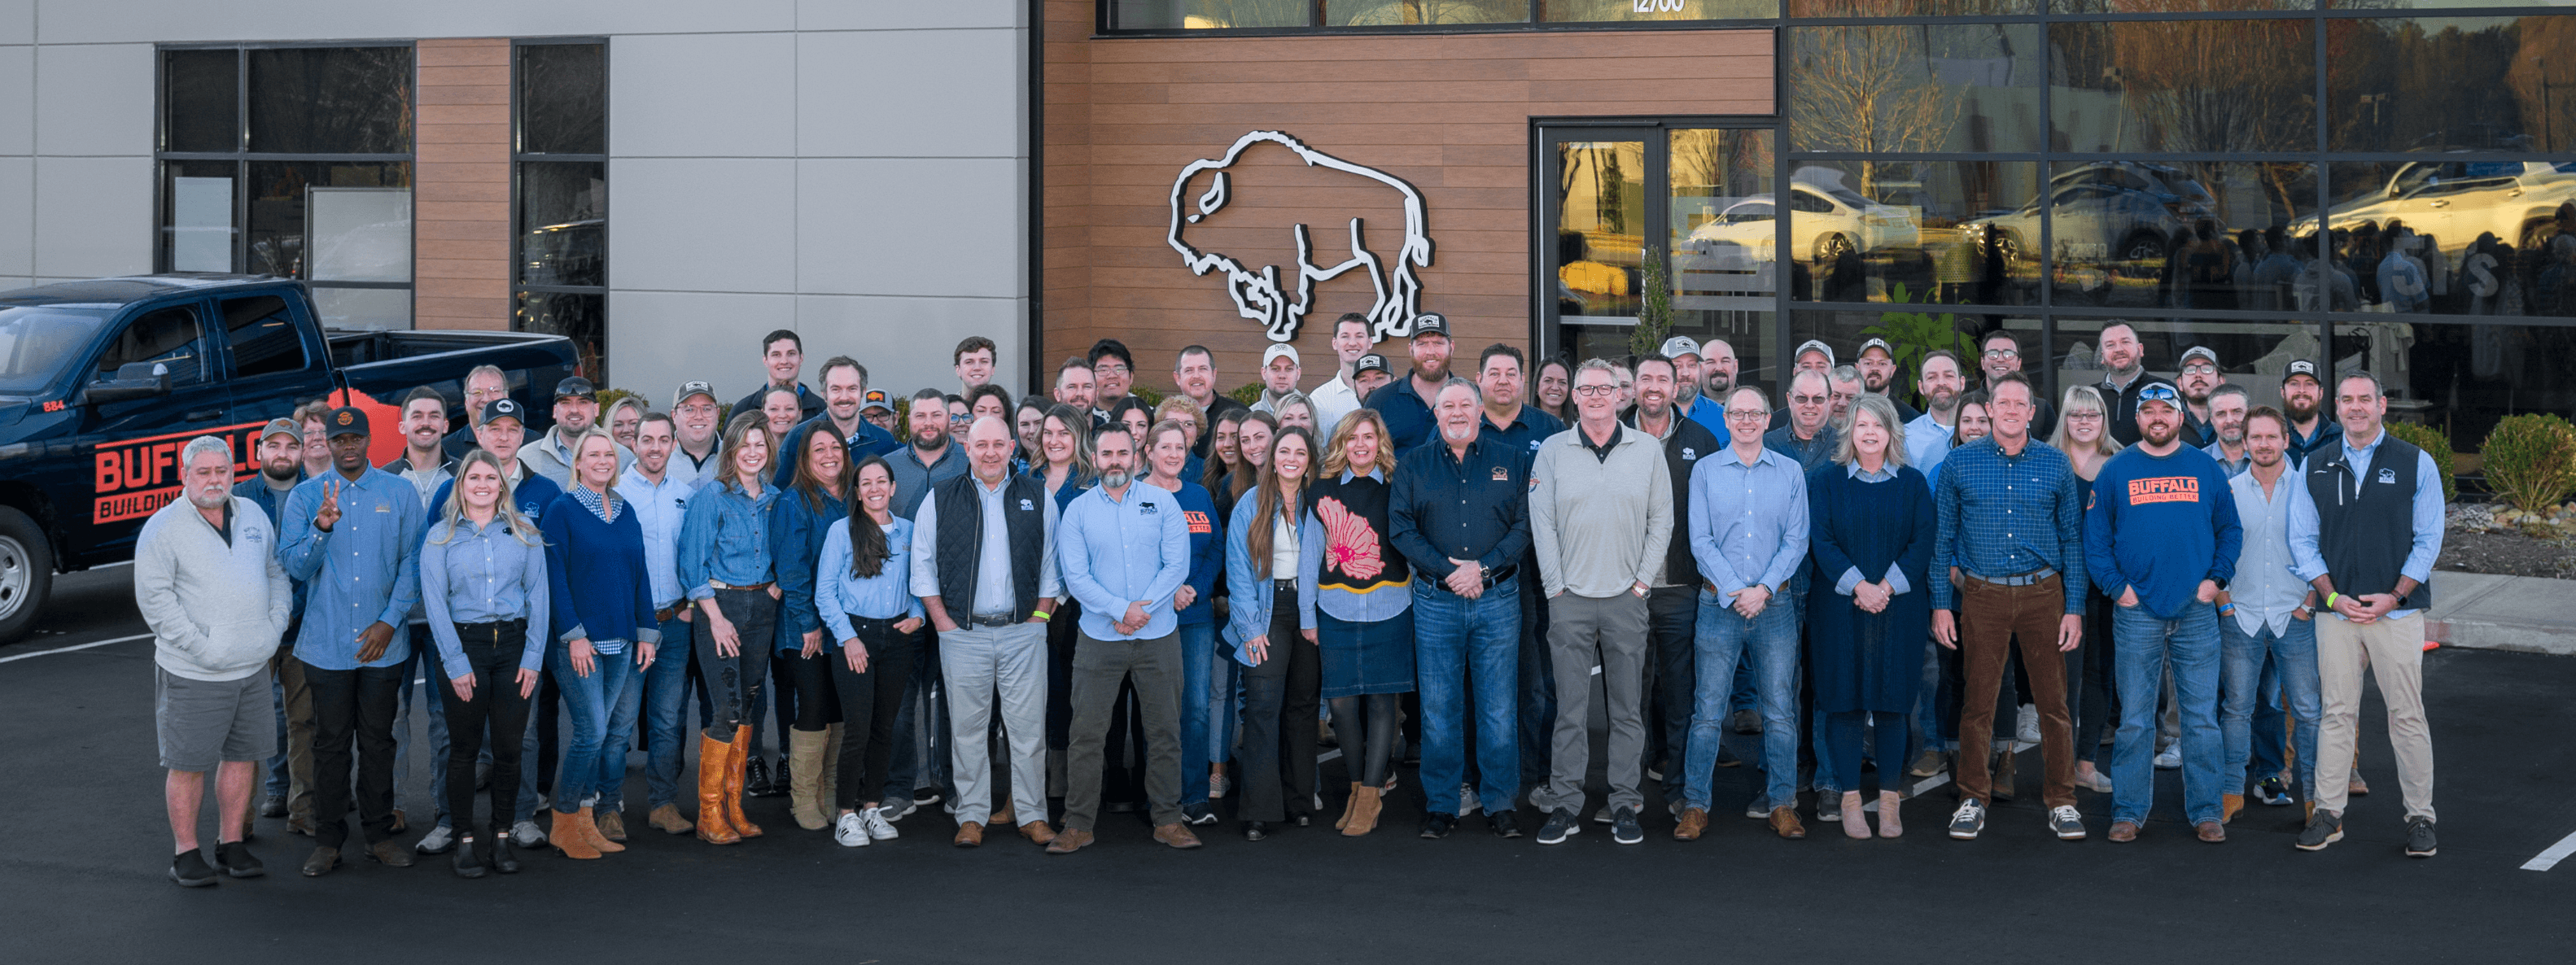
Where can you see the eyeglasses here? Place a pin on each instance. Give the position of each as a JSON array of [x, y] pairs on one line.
[[2202, 368], [1809, 399], [2002, 353], [1748, 413], [1109, 370], [1595, 389]]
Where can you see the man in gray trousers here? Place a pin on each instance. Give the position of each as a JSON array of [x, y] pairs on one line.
[[1589, 486]]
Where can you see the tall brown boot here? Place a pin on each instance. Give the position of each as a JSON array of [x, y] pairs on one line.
[[1364, 808], [828, 800], [564, 832], [715, 771], [588, 826], [741, 748]]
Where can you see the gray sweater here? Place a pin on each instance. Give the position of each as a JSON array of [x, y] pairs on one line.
[[1584, 512], [216, 609]]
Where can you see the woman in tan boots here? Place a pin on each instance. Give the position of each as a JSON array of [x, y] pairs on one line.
[[808, 510], [1360, 591], [725, 564], [602, 603]]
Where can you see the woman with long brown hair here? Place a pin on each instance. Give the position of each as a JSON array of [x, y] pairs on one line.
[[1361, 594], [1274, 637], [863, 593], [815, 499], [725, 565]]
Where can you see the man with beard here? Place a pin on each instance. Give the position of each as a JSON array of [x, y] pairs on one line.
[[1195, 373], [1927, 436], [1073, 386], [1672, 604], [1508, 420], [1280, 369], [2124, 356], [2267, 633], [930, 460], [1878, 376], [207, 581], [845, 390], [2303, 402], [1338, 396], [2161, 539], [2198, 378], [1716, 380], [576, 410], [693, 424], [1370, 374], [2227, 408], [1405, 403], [290, 771], [1998, 354], [1684, 355]]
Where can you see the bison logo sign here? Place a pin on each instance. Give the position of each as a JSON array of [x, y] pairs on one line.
[[1256, 292]]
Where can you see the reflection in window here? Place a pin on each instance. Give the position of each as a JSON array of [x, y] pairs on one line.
[[261, 334], [1914, 231], [1379, 13], [1600, 232], [2456, 237], [330, 100], [562, 109], [1911, 8], [169, 340], [563, 211], [559, 202], [1602, 11], [2453, 83], [2177, 235], [2186, 86], [1206, 14], [1950, 87]]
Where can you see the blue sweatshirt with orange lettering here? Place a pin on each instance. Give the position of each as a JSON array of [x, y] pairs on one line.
[[2160, 525]]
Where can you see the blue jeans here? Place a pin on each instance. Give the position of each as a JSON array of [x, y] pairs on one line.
[[1769, 644], [666, 704], [589, 701], [2293, 658], [1464, 646], [2146, 645], [623, 708], [1198, 649]]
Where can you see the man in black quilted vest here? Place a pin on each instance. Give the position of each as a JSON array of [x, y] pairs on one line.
[[2365, 530], [980, 542]]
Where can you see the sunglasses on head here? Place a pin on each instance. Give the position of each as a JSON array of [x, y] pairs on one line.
[[2157, 393]]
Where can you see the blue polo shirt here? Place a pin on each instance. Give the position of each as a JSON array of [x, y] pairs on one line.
[[1407, 414]]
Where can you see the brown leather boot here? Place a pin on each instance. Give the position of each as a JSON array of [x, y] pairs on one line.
[[1349, 805], [564, 831], [667, 820], [2228, 805], [1365, 804], [1037, 832], [741, 758], [1784, 821], [1694, 822], [715, 771], [590, 829]]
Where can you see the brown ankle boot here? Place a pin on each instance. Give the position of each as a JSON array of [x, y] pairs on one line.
[[1349, 805], [1365, 803], [588, 825], [1889, 824], [564, 831], [715, 771], [2228, 805], [741, 759]]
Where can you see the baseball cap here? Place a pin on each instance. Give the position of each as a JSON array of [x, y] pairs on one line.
[[287, 426], [1371, 362], [576, 386], [876, 399], [1875, 343], [1816, 345], [1680, 345], [1430, 323], [2159, 392], [345, 421], [2200, 351], [694, 387], [1278, 349], [2299, 367], [503, 409]]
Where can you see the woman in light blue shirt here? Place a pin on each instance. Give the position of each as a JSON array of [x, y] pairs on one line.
[[863, 592], [1275, 638], [725, 566], [482, 573]]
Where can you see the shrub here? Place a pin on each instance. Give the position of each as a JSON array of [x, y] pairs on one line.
[[2438, 444], [2531, 461], [1247, 393]]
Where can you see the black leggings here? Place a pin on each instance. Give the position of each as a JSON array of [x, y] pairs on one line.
[[1843, 728], [734, 682], [869, 702], [492, 651], [816, 706], [1367, 721]]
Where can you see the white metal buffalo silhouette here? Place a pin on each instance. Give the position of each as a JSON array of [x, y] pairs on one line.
[[1257, 295]]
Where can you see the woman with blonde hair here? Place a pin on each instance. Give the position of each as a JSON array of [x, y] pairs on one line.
[[482, 578], [1870, 520], [725, 565], [2084, 434], [1360, 591], [602, 597], [1274, 637]]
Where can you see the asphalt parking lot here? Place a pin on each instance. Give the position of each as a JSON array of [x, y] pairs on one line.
[[82, 872]]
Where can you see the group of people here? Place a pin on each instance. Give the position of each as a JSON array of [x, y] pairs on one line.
[[1089, 601]]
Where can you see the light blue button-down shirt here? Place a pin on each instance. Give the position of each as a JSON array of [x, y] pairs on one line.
[[482, 574], [1927, 442], [885, 596], [659, 509], [2309, 562], [1748, 524], [1117, 550], [364, 571], [2264, 588], [724, 537]]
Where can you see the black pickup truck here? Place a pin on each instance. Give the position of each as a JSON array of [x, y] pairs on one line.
[[103, 382]]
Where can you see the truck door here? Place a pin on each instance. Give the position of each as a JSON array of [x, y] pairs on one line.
[[270, 362], [134, 444]]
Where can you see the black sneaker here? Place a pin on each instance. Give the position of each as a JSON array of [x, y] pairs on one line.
[[922, 796], [1199, 813], [1504, 825], [190, 870], [236, 860], [2273, 791], [2419, 837], [2326, 827], [1968, 820], [1624, 827], [1561, 824], [1437, 825]]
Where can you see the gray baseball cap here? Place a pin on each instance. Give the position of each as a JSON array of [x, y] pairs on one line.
[[1680, 345]]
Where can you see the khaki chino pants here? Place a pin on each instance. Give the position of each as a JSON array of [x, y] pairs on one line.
[[2395, 652]]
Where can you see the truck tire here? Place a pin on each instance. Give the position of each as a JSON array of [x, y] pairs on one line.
[[26, 573]]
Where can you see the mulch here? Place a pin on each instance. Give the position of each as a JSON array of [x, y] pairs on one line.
[[2475, 543]]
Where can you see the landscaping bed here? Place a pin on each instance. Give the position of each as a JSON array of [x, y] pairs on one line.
[[2488, 538]]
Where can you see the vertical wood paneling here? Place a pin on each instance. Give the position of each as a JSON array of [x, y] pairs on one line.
[[461, 204]]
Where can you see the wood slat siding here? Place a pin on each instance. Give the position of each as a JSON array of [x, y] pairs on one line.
[[461, 200], [1447, 113]]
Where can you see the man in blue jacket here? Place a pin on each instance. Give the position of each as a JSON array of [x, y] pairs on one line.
[[2161, 539]]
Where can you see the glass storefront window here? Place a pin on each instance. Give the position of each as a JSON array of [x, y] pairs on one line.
[[1205, 14], [279, 196], [2183, 86], [1939, 232], [2175, 6], [1620, 11], [563, 100], [1600, 231], [1702, 198], [559, 196], [580, 316], [330, 100], [1382, 13], [2183, 234], [201, 99], [2455, 237], [563, 208], [1912, 8], [2451, 84], [1915, 88]]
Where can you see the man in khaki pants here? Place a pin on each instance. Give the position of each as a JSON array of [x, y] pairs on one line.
[[2364, 531]]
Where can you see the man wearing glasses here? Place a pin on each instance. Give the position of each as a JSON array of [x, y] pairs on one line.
[[1113, 373], [2197, 380], [1748, 531], [1999, 355], [1808, 436]]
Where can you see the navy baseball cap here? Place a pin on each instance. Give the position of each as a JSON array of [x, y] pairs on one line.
[[503, 408]]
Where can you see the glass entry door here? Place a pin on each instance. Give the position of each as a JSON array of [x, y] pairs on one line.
[[1694, 201]]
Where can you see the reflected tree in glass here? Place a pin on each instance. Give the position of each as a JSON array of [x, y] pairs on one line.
[[1354, 13], [1867, 89]]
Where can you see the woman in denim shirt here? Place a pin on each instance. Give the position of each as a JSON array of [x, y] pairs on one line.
[[725, 565], [1275, 640], [863, 592], [804, 514], [482, 574]]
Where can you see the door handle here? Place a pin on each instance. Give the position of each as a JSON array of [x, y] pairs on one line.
[[204, 415], [2441, 204]]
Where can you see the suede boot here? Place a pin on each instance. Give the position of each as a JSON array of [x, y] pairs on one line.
[[564, 832], [1364, 809], [804, 778]]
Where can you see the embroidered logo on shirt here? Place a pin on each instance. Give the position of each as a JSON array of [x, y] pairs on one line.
[[2388, 476], [1027, 507], [1689, 454], [1146, 509], [2164, 489], [1198, 521], [254, 536], [1502, 475]]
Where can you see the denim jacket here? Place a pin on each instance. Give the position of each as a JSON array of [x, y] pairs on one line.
[[796, 533], [1250, 613], [725, 538]]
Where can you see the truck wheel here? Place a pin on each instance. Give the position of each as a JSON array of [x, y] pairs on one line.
[[26, 573]]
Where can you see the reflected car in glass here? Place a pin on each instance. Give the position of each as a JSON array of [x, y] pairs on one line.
[[1831, 221], [2121, 212], [2456, 201]]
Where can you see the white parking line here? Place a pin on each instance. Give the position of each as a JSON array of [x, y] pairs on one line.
[[76, 646], [2550, 858]]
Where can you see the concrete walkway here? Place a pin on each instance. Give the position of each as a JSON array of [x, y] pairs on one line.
[[2525, 613]]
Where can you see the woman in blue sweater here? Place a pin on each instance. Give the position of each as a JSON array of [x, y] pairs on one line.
[[804, 515], [1168, 454], [1870, 527], [601, 595], [725, 566]]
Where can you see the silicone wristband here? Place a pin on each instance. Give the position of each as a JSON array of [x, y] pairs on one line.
[[2331, 598]]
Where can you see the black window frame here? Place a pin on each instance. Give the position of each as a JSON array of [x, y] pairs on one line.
[[520, 158]]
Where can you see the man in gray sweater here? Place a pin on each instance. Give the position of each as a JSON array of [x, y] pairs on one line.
[[1589, 487], [208, 582]]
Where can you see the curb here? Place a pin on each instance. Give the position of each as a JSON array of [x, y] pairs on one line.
[[2514, 637]]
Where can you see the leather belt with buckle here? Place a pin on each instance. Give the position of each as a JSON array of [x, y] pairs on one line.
[[980, 620], [665, 614], [752, 588], [2017, 579]]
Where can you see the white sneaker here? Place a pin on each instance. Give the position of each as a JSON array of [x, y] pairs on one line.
[[2169, 759], [526, 834], [439, 840], [851, 831], [877, 825], [1467, 803], [2027, 729]]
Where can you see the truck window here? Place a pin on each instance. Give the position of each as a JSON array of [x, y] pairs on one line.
[[170, 336], [37, 343], [262, 333]]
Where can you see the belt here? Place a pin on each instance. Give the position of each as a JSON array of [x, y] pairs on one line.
[[2017, 579], [980, 620], [762, 585], [1284, 586], [665, 614], [1492, 578]]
